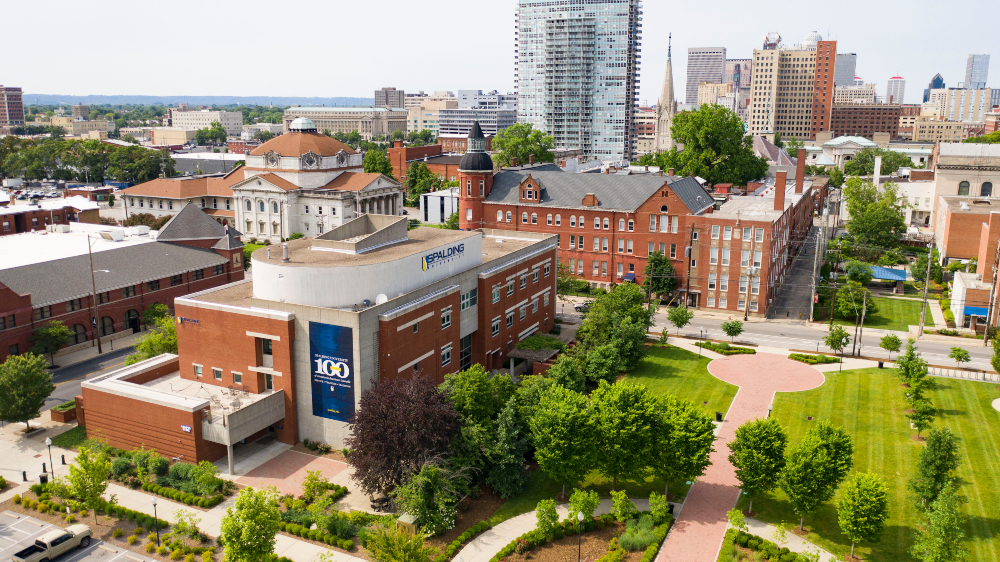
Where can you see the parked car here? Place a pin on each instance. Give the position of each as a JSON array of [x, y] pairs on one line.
[[583, 306], [54, 543]]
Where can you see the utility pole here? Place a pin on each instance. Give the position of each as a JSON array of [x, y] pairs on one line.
[[746, 305], [927, 281], [833, 298], [857, 320], [93, 301], [991, 310], [687, 291], [812, 291], [864, 309]]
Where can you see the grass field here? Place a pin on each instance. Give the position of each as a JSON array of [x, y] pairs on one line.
[[893, 314], [664, 370], [869, 404]]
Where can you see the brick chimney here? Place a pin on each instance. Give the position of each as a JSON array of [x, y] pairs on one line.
[[531, 159], [397, 144], [779, 191], [670, 172], [800, 170], [513, 162]]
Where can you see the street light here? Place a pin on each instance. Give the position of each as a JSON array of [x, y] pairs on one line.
[[52, 466], [746, 309], [156, 522], [843, 344], [579, 544]]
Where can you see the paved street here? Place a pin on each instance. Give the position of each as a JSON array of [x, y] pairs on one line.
[[68, 379], [18, 531], [794, 297]]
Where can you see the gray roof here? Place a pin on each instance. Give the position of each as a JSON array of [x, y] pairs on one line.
[[614, 192], [69, 278], [230, 241], [191, 223]]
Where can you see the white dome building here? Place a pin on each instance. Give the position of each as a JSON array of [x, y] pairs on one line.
[[810, 40]]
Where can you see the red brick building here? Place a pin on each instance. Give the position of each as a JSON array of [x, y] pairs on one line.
[[323, 319], [608, 224], [17, 219], [46, 278], [864, 120], [823, 89]]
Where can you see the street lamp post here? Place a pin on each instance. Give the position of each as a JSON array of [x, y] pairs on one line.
[[843, 344], [746, 308], [52, 466], [156, 522], [579, 544]]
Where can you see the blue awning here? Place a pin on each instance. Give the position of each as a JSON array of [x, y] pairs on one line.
[[629, 278], [887, 274], [975, 311]]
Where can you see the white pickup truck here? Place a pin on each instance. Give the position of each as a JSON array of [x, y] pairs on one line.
[[54, 543]]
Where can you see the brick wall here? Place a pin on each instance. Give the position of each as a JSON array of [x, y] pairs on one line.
[[400, 345], [399, 155]]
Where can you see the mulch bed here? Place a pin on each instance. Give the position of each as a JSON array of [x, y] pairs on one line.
[[592, 546], [479, 509], [104, 528], [335, 454]]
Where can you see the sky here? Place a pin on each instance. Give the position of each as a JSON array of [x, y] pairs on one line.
[[340, 48]]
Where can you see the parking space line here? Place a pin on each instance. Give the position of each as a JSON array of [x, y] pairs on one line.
[[85, 552]]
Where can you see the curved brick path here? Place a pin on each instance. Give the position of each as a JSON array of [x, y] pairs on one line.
[[701, 527]]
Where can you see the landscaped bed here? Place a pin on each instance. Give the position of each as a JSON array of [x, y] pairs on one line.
[[813, 359], [725, 348]]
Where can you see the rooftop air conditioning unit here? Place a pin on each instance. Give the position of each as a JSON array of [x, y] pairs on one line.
[[113, 235]]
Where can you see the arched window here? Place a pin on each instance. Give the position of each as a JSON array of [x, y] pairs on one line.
[[274, 206], [963, 188], [79, 333], [987, 189], [130, 321], [499, 216], [524, 218], [260, 205], [508, 216], [107, 326], [548, 219], [534, 218], [558, 220], [663, 208], [607, 224], [572, 220], [249, 205]]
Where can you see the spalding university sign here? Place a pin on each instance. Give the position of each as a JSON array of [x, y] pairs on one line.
[[331, 350], [442, 256]]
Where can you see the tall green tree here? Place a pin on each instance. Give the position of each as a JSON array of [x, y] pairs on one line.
[[942, 538], [50, 338], [88, 478], [376, 162], [567, 372], [837, 338], [716, 147], [563, 431], [680, 317], [758, 453], [477, 395], [853, 298], [608, 313], [732, 328], [936, 466], [625, 415], [419, 180], [921, 414], [25, 384], [815, 468], [890, 342], [660, 277], [682, 441], [507, 475], [249, 527], [161, 339], [154, 313], [877, 213], [518, 142], [863, 508], [863, 162]]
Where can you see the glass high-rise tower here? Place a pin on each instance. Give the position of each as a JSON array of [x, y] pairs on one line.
[[576, 72], [977, 67]]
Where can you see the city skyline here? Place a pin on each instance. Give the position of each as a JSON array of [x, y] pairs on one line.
[[487, 63]]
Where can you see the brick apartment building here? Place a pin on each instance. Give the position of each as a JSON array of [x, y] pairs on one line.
[[857, 120], [608, 225], [438, 162], [17, 219], [323, 318], [47, 276]]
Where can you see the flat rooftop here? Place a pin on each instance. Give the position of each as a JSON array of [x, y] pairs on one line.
[[223, 400], [40, 246], [974, 205], [304, 252], [760, 207]]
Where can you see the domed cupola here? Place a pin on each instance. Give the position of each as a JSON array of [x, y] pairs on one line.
[[475, 158]]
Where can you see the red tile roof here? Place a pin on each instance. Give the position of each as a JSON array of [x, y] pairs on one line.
[[297, 144]]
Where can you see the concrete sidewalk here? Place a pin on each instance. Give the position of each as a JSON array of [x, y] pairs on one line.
[[90, 352], [794, 543]]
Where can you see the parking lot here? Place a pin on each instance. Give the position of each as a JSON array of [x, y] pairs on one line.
[[18, 531]]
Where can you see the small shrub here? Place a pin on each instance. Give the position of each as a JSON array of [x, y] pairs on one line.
[[150, 547], [162, 549], [121, 467], [118, 532], [176, 554], [132, 539], [151, 537], [189, 557], [17, 498]]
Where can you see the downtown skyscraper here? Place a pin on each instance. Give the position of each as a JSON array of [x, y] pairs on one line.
[[576, 67], [977, 67]]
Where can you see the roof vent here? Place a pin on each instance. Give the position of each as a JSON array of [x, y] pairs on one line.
[[964, 206]]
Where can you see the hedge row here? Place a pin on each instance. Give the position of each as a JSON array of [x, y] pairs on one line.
[[184, 497], [725, 348], [766, 548], [316, 535], [531, 539], [661, 535], [336, 491], [140, 519], [813, 359], [452, 548]]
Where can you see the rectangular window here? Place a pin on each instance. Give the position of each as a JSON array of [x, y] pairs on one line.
[[694, 235], [711, 301], [745, 258], [711, 281], [743, 283], [741, 304], [546, 299], [650, 251], [621, 225], [496, 326], [470, 299], [755, 286], [496, 294], [727, 233], [746, 233], [510, 287], [715, 232], [534, 275], [446, 355], [446, 318], [197, 370], [153, 285], [621, 246], [597, 223], [510, 319], [524, 281], [604, 268], [607, 224], [217, 374], [128, 291], [218, 269], [722, 302], [597, 268], [753, 306], [673, 224], [759, 235], [198, 274], [176, 280], [75, 304], [620, 269], [664, 223], [725, 256], [597, 243], [416, 327], [579, 267], [631, 225], [604, 244], [43, 312], [237, 377], [103, 297], [652, 223], [694, 263], [523, 312], [724, 283], [629, 246], [713, 256], [547, 269], [572, 242], [756, 258], [673, 251]]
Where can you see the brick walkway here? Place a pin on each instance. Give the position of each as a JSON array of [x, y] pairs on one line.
[[701, 527], [287, 471]]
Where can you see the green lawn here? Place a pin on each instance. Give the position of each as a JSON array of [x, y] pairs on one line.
[[668, 370], [869, 404], [71, 439], [893, 314]]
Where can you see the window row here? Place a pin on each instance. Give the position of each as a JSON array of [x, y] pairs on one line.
[[713, 257], [727, 233], [545, 269], [522, 313]]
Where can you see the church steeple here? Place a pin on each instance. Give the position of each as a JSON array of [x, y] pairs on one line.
[[666, 107]]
